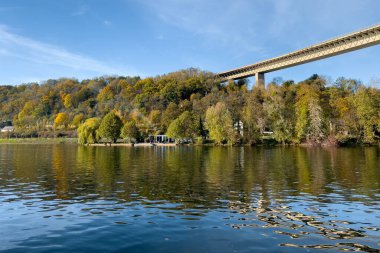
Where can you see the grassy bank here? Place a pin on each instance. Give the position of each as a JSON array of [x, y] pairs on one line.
[[38, 140]]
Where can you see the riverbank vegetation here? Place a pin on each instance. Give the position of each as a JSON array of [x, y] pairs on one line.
[[59, 140], [192, 105]]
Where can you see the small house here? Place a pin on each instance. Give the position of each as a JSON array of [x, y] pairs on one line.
[[7, 129], [162, 139]]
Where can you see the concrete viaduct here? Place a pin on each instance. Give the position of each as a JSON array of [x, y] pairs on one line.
[[347, 43]]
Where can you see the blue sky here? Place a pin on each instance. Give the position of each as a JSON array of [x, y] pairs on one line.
[[43, 39]]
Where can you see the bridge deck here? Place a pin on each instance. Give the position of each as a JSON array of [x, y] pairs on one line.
[[350, 42]]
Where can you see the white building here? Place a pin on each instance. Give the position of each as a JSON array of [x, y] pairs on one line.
[[162, 139], [7, 129], [239, 127]]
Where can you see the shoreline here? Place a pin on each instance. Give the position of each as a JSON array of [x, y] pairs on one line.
[[132, 145], [40, 141]]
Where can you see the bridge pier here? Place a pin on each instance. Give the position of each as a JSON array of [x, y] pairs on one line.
[[260, 80]]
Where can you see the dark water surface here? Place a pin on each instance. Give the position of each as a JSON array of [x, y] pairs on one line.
[[68, 198]]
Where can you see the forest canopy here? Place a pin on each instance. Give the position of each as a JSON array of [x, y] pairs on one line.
[[191, 104]]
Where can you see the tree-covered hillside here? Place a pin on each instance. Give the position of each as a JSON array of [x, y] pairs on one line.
[[192, 104]]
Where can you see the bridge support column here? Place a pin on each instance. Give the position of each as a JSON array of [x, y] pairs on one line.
[[260, 80]]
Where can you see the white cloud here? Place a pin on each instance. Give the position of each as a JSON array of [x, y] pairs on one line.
[[46, 54]]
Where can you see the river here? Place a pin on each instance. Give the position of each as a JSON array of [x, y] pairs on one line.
[[69, 198]]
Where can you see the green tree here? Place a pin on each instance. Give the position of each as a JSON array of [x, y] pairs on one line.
[[219, 123], [367, 108], [25, 116], [130, 131], [279, 113], [110, 127], [171, 113], [309, 114], [155, 118], [253, 116], [87, 132], [77, 120], [185, 126]]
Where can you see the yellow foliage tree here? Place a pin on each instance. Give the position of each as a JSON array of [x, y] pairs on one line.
[[68, 101], [61, 119], [77, 120], [105, 94]]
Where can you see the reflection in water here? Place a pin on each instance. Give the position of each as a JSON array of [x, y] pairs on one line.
[[282, 198]]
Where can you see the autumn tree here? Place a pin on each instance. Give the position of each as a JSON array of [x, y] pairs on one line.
[[61, 120], [344, 120], [68, 101], [219, 123], [309, 111], [105, 94]]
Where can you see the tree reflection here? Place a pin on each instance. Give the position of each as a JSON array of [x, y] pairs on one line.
[[287, 189], [188, 174], [61, 168]]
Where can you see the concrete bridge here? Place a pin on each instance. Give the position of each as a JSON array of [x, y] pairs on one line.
[[350, 42]]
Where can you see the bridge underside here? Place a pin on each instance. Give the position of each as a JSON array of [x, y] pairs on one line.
[[354, 41]]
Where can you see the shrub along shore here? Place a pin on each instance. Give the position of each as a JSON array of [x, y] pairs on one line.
[[191, 106]]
